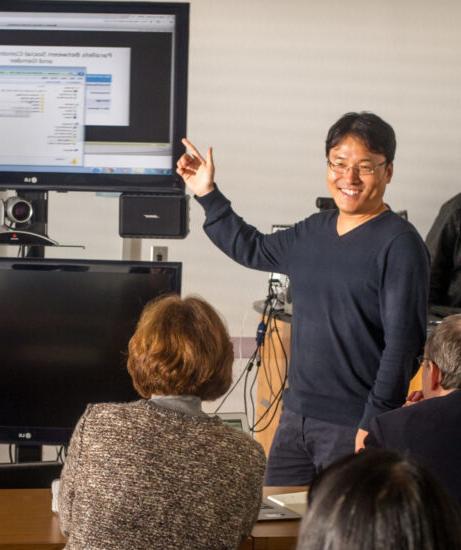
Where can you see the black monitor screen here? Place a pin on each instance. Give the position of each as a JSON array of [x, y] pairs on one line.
[[92, 94], [64, 330]]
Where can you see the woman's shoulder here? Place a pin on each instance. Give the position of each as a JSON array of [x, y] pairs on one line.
[[95, 411], [240, 442]]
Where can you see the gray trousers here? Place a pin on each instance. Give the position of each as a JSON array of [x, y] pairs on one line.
[[303, 446]]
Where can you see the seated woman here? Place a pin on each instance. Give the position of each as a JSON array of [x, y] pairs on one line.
[[159, 472], [377, 500]]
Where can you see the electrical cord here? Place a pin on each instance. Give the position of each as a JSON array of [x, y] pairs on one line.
[[269, 358], [253, 409], [269, 319], [277, 399], [260, 337], [250, 362], [266, 412], [60, 454], [255, 357]]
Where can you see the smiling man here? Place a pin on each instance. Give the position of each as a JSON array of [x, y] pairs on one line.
[[359, 277]]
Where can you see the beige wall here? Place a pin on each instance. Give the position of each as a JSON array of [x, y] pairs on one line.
[[266, 80]]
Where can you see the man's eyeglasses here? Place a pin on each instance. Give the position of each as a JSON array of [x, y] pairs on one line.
[[363, 169], [422, 359]]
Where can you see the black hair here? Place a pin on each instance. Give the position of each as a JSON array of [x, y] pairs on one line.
[[379, 500], [376, 134]]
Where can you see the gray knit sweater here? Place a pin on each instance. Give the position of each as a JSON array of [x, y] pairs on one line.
[[139, 476]]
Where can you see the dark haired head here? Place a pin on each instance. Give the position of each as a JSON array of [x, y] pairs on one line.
[[373, 131], [379, 500]]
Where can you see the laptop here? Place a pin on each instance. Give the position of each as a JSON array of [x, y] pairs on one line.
[[239, 421], [271, 511]]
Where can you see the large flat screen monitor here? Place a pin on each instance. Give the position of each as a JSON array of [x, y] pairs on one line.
[[64, 330], [92, 95]]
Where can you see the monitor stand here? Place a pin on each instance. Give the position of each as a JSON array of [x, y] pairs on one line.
[[27, 453], [25, 239]]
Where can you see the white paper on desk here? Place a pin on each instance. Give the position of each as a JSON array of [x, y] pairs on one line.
[[297, 502], [54, 495]]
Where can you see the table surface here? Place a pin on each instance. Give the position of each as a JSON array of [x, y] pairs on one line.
[[26, 518]]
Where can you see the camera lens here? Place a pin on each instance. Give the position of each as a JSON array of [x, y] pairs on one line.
[[18, 210]]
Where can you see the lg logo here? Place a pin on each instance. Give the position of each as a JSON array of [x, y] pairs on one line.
[[33, 179], [24, 435]]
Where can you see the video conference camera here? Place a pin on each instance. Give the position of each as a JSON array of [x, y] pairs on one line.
[[18, 223], [15, 210]]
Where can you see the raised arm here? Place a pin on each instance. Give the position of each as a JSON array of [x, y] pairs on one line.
[[228, 231]]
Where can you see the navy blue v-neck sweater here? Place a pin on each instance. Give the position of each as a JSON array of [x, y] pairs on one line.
[[359, 306]]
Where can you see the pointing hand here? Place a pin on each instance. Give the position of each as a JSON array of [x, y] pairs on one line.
[[196, 171]]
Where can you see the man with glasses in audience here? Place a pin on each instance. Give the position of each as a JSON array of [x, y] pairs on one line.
[[359, 277], [428, 430]]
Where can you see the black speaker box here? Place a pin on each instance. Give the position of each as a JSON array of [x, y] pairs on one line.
[[145, 216]]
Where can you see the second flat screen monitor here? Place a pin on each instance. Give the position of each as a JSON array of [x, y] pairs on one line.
[[64, 332]]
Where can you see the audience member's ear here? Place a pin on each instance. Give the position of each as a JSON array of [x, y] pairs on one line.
[[414, 397], [435, 376]]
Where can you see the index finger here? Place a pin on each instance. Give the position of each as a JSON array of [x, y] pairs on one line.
[[192, 147]]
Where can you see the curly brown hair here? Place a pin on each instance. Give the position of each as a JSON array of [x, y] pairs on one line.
[[180, 347]]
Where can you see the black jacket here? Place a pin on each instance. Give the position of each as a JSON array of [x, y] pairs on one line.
[[444, 244], [429, 432]]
